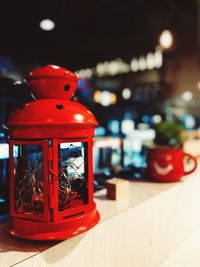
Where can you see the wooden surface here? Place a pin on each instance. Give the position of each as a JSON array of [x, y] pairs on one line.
[[187, 254], [138, 232]]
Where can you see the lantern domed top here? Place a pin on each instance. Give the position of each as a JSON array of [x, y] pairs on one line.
[[52, 82], [52, 114]]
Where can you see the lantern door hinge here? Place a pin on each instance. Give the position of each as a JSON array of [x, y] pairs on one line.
[[50, 190], [50, 154], [51, 208], [51, 196], [51, 203]]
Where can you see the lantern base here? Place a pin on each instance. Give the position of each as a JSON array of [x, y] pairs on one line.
[[35, 230]]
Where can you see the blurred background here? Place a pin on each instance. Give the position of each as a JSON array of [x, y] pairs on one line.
[[138, 64]]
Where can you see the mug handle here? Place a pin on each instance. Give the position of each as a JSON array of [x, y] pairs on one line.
[[195, 163]]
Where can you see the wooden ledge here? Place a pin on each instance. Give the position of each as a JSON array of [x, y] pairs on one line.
[[139, 231]]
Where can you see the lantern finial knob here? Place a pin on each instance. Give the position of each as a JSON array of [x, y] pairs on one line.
[[52, 81]]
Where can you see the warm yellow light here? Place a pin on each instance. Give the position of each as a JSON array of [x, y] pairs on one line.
[[105, 98], [126, 93], [97, 96], [198, 85], [156, 118], [150, 61], [166, 39], [134, 65], [158, 59], [142, 63], [47, 24], [113, 98], [187, 96]]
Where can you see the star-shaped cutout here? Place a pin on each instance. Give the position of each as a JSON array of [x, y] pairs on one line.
[[58, 106], [67, 87]]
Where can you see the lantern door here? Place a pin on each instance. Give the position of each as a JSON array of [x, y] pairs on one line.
[[73, 186], [29, 179]]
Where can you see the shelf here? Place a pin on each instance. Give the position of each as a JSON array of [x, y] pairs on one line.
[[187, 254], [140, 231]]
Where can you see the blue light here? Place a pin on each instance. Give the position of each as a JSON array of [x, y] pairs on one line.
[[81, 83], [2, 200], [5, 64], [189, 121], [114, 126], [137, 175], [100, 131], [146, 119]]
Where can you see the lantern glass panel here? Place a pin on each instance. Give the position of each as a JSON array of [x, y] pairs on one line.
[[28, 179], [73, 175]]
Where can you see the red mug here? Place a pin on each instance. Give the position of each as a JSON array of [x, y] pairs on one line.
[[167, 164]]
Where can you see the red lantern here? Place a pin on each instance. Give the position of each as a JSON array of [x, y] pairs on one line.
[[50, 167]]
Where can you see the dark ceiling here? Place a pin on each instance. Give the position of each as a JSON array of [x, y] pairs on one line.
[[92, 30]]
